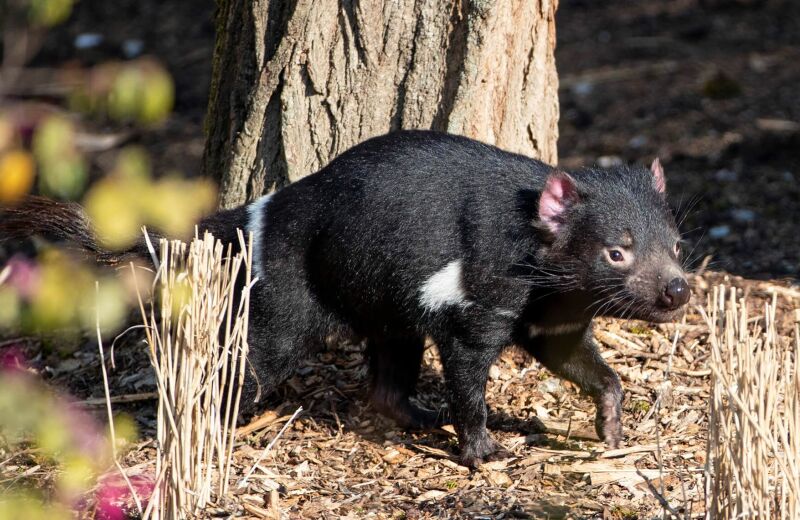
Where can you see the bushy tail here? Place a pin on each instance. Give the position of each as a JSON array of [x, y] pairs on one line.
[[62, 222]]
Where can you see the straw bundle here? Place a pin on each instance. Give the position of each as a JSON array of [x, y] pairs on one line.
[[754, 420], [196, 327]]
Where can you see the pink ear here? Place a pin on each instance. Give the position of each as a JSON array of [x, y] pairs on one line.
[[558, 195], [658, 175]]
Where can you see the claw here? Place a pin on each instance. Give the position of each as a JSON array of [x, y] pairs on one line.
[[483, 451], [608, 421]]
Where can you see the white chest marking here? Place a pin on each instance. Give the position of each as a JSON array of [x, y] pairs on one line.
[[445, 287], [256, 214], [555, 330]]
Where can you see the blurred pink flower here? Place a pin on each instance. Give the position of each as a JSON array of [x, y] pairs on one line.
[[114, 500], [86, 433], [24, 276], [12, 359]]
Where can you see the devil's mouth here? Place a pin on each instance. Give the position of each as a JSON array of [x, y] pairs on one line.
[[664, 316], [651, 312]]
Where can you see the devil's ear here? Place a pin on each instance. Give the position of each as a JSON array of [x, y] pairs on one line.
[[659, 181], [558, 196]]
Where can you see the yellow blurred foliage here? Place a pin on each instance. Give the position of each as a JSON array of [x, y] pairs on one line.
[[59, 433], [65, 295], [124, 98], [54, 137], [50, 435], [181, 298], [120, 204], [9, 307], [50, 12], [158, 95], [177, 204], [133, 163], [78, 472], [19, 506], [113, 206], [62, 284], [17, 172], [62, 169], [65, 179], [109, 307], [141, 91], [125, 429]]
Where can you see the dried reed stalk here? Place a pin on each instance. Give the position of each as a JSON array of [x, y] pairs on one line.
[[196, 328], [754, 420]]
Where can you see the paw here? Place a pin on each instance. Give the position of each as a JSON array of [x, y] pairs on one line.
[[608, 422], [485, 450], [610, 430]]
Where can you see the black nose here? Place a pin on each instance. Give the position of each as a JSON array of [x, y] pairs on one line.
[[676, 293]]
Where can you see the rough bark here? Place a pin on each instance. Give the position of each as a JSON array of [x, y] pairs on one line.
[[296, 82]]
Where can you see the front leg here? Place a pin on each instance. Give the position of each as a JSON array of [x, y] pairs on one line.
[[573, 355], [466, 370]]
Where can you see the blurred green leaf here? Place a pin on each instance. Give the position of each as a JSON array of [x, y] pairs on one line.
[[133, 163], [63, 284], [158, 95], [77, 473], [62, 170], [140, 91], [177, 204], [125, 428], [126, 94], [109, 305], [50, 12], [112, 204], [9, 307], [54, 137], [65, 179], [19, 506]]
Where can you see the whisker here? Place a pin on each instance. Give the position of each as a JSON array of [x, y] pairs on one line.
[[689, 256], [689, 207]]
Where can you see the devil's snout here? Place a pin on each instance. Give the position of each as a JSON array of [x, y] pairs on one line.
[[675, 293]]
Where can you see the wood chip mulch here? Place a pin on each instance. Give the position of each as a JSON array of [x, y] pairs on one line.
[[339, 459]]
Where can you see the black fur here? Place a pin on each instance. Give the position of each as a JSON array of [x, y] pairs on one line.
[[348, 249]]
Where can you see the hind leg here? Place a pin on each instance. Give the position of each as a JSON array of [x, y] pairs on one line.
[[395, 366], [285, 327]]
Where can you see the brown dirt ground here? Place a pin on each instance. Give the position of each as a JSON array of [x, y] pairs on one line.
[[688, 83], [339, 459]]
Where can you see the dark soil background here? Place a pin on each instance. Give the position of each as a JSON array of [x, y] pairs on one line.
[[713, 91], [710, 87]]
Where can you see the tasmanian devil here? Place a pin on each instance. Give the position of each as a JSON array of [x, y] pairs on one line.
[[419, 234]]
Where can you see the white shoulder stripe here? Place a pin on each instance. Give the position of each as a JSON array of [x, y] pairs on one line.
[[256, 215], [444, 287]]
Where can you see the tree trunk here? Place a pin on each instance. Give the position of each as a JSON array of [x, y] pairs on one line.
[[296, 82]]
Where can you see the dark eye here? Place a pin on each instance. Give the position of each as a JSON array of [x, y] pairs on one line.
[[619, 257], [677, 249]]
